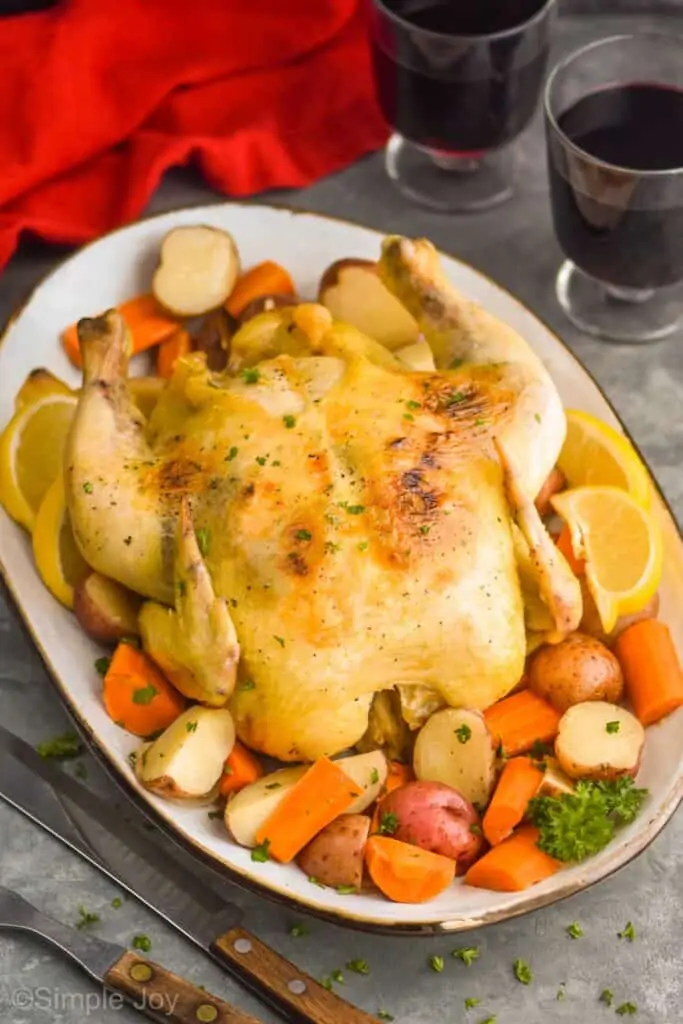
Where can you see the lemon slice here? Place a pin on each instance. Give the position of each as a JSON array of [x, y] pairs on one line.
[[58, 559], [38, 384], [597, 455], [31, 452], [622, 546]]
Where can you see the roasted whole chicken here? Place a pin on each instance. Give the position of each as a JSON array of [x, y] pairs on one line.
[[319, 524]]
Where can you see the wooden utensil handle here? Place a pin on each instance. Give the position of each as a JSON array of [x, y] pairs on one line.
[[162, 995], [294, 993]]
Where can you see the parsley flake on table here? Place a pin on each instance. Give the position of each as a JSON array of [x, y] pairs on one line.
[[145, 694], [61, 748], [117, 903], [574, 930], [489, 1020], [384, 1015], [561, 993], [358, 966], [250, 375], [628, 932], [464, 733], [261, 853], [338, 977], [523, 972], [388, 823], [326, 983], [203, 540], [468, 954], [471, 1002], [626, 1010], [298, 930], [607, 997], [142, 942], [86, 918], [436, 963]]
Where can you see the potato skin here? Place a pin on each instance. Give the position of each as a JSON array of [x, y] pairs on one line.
[[554, 483], [336, 855], [266, 303], [436, 818], [105, 610], [213, 338], [585, 750], [578, 669]]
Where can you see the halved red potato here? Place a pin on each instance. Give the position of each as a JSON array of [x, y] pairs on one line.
[[352, 291], [198, 267], [455, 747], [599, 741], [105, 610]]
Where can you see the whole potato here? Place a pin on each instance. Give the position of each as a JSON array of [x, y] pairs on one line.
[[578, 669], [591, 624], [436, 818], [335, 855]]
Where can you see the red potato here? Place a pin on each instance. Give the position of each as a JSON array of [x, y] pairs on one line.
[[554, 483], [353, 292], [434, 817], [578, 669], [336, 856], [105, 610], [599, 741]]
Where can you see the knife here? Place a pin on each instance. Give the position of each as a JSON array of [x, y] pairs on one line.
[[155, 991], [41, 791]]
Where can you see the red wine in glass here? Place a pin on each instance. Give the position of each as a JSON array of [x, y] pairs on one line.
[[458, 80], [614, 127]]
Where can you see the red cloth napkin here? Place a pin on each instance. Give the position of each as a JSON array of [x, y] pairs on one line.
[[99, 97]]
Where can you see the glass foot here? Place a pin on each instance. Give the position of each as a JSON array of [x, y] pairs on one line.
[[447, 181], [627, 315]]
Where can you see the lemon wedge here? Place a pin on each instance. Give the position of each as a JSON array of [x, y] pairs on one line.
[[38, 384], [622, 546], [58, 559], [31, 453], [594, 454]]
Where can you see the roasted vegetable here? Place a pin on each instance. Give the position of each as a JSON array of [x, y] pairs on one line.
[[198, 268], [106, 610], [353, 292], [597, 740], [335, 856], [186, 761], [455, 747], [578, 669]]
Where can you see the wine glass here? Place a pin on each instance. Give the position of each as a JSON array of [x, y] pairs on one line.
[[614, 130], [458, 81]]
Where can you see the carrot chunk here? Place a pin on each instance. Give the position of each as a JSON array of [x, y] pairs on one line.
[[266, 278], [179, 344], [519, 721], [405, 873], [652, 671], [137, 696], [147, 322], [518, 783], [513, 865], [324, 792], [241, 768]]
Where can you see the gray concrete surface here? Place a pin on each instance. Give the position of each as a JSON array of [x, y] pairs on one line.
[[515, 245]]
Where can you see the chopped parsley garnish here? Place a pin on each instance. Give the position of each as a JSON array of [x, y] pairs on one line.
[[523, 972], [101, 665], [424, 529], [81, 771], [628, 933], [408, 416], [607, 997], [117, 903], [331, 548], [574, 930], [191, 726], [456, 397], [471, 1002], [480, 422], [326, 983], [181, 587], [345, 890], [540, 750], [214, 815], [455, 364], [561, 993], [279, 640], [413, 405], [303, 535], [250, 375], [612, 727], [247, 685], [388, 823], [261, 853], [577, 825], [374, 777], [132, 757], [468, 954], [289, 421], [61, 748], [384, 1015], [261, 459], [626, 1010], [232, 454], [358, 966], [537, 417], [274, 785], [337, 976], [490, 1020], [353, 510], [298, 930], [87, 487], [316, 881], [203, 540], [363, 545], [86, 918], [142, 942], [145, 695], [464, 733], [476, 829], [436, 963]]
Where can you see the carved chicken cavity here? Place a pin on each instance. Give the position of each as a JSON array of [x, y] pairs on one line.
[[358, 525]]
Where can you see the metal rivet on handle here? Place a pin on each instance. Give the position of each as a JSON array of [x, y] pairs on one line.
[[140, 972], [297, 987], [206, 1013], [242, 946]]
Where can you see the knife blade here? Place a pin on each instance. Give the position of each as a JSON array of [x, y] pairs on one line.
[[155, 991], [182, 900]]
